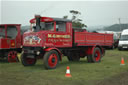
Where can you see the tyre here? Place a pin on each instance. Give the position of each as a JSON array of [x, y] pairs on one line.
[[12, 56], [51, 59], [96, 56], [28, 59], [89, 58]]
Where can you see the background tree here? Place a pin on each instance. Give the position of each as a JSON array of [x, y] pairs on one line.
[[76, 22], [75, 15], [65, 17]]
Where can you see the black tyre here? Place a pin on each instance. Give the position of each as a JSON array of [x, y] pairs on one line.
[[89, 58], [96, 56], [51, 59], [28, 59]]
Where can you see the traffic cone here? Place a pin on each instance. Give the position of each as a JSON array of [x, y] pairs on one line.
[[122, 61], [68, 72]]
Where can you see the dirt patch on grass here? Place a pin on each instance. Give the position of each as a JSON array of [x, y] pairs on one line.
[[121, 79]]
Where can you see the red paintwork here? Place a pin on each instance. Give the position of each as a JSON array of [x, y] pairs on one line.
[[30, 60], [48, 49], [4, 43], [8, 43], [97, 55], [91, 39], [57, 39], [12, 56], [52, 48], [50, 40], [89, 51], [52, 61], [13, 43], [43, 19]]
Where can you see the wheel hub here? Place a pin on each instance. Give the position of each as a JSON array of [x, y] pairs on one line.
[[52, 61], [12, 56]]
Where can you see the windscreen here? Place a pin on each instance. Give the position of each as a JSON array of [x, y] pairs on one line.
[[11, 32], [45, 26], [61, 26], [124, 37], [2, 31]]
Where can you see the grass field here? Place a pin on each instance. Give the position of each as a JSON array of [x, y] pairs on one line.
[[83, 73]]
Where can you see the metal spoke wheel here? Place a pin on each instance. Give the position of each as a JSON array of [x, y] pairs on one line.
[[12, 56]]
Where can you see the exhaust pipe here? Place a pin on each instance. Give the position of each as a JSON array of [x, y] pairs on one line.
[[37, 17]]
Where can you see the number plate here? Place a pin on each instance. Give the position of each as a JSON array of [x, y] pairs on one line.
[[125, 47]]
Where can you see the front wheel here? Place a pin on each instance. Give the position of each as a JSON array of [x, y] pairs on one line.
[[28, 59], [12, 56], [51, 59], [96, 56]]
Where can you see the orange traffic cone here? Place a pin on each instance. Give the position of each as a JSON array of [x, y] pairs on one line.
[[68, 72], [122, 61]]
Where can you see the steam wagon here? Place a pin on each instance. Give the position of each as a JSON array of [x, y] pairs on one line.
[[10, 41], [52, 38]]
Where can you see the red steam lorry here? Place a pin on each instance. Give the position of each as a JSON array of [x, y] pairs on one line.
[[10, 42], [52, 38]]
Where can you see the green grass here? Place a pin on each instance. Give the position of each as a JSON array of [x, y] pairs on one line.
[[83, 73]]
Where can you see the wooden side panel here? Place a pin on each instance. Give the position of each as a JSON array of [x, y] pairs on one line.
[[5, 43], [90, 39]]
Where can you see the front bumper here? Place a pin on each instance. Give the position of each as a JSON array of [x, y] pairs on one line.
[[123, 47], [33, 50]]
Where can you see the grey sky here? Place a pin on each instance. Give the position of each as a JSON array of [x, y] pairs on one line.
[[93, 12]]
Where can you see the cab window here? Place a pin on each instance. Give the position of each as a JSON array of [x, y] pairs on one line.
[[2, 31], [47, 26], [61, 26], [11, 32]]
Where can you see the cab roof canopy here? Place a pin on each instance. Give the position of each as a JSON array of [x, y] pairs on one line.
[[48, 19]]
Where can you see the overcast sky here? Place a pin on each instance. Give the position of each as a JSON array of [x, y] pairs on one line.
[[93, 13]]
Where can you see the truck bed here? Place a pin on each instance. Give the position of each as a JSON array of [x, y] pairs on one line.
[[91, 39]]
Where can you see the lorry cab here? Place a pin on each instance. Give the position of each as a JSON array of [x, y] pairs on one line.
[[10, 41], [49, 32], [10, 36], [123, 42]]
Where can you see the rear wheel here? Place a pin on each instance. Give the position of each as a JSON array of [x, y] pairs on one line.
[[28, 59], [51, 59], [12, 56], [96, 56]]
